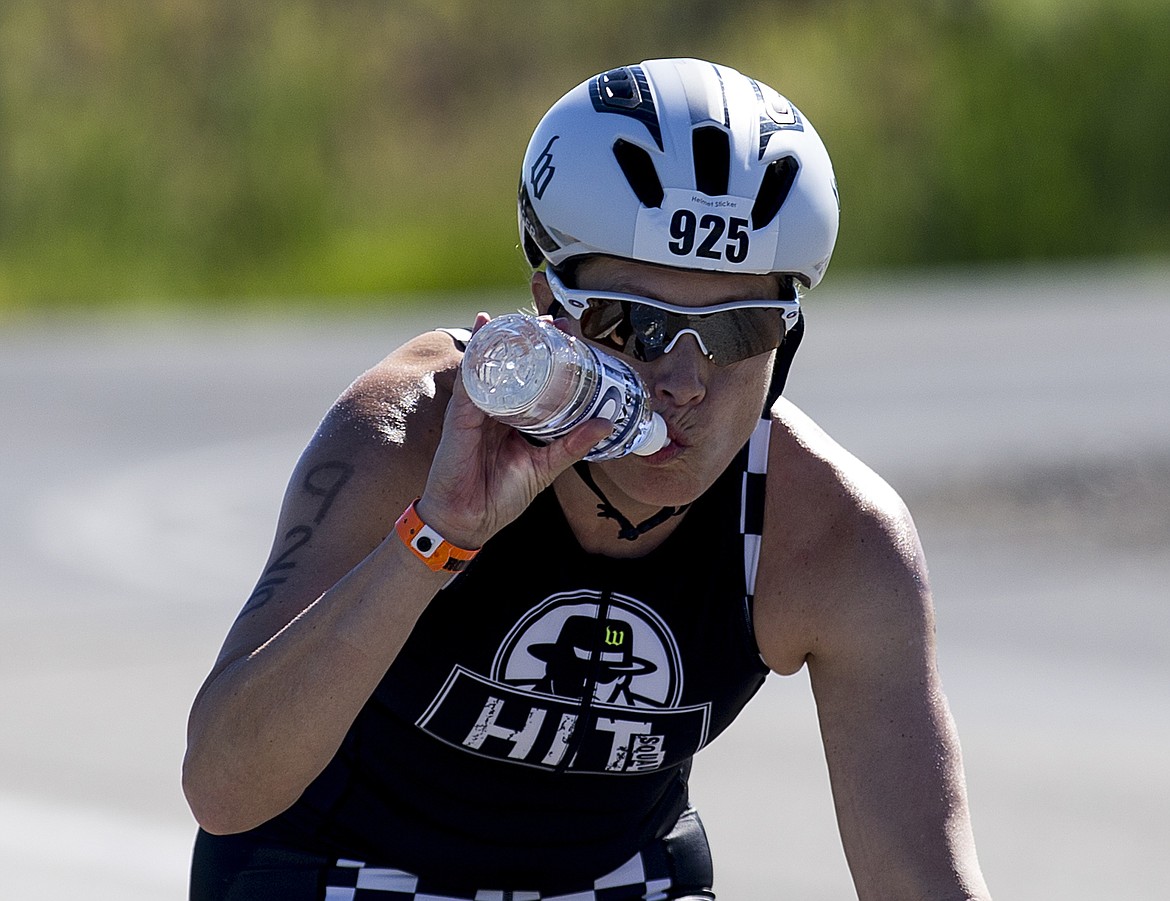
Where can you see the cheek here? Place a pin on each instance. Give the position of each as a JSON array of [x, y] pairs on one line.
[[743, 387]]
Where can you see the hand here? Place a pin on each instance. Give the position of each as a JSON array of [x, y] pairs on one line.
[[484, 474]]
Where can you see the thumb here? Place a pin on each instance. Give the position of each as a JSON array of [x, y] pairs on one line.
[[568, 450]]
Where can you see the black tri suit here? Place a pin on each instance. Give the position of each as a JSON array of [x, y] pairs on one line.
[[534, 736]]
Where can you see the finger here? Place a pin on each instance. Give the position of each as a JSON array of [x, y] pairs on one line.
[[568, 450], [461, 412]]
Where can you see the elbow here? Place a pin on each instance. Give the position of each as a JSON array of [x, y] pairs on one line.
[[209, 807], [233, 785], [219, 805]]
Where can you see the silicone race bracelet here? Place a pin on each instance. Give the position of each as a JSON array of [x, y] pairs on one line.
[[428, 545]]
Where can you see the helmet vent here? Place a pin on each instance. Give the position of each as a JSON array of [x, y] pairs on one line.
[[639, 171], [627, 93], [712, 153], [618, 89], [774, 188]]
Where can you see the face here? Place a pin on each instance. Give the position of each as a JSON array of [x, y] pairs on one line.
[[710, 410]]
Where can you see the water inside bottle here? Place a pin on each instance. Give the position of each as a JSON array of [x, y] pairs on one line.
[[511, 373]]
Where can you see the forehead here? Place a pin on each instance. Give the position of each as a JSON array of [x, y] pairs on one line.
[[691, 287]]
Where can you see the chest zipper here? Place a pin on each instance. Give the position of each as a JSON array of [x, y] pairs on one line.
[[585, 714]]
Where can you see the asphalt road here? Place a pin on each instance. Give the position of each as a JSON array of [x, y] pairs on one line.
[[1024, 416]]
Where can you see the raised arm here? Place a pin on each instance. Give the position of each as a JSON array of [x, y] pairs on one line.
[[340, 593]]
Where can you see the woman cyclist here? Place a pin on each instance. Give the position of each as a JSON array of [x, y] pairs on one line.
[[509, 708]]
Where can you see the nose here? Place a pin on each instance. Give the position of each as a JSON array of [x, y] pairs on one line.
[[679, 378]]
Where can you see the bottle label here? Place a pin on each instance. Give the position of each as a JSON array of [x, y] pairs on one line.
[[618, 401]]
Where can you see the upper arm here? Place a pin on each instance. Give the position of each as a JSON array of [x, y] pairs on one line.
[[848, 596], [366, 461], [890, 743]]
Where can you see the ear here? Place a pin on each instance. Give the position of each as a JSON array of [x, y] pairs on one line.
[[542, 295]]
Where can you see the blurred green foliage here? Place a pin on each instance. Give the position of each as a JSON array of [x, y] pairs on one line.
[[353, 148]]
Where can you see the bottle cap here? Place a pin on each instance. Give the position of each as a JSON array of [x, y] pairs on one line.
[[655, 438]]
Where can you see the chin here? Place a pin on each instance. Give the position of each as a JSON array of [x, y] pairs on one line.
[[672, 485]]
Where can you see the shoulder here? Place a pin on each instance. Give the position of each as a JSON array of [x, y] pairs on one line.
[[396, 406], [377, 440], [841, 557], [817, 488]]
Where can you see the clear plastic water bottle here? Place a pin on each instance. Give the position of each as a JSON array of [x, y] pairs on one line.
[[530, 375]]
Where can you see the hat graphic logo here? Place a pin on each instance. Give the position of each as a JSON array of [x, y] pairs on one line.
[[567, 648]]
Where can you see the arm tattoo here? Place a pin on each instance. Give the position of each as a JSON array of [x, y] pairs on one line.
[[325, 480], [332, 476]]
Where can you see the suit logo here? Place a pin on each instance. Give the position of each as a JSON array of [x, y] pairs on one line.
[[582, 682]]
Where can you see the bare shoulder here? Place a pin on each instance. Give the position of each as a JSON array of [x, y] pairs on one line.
[[841, 559], [842, 589], [389, 420], [386, 404]]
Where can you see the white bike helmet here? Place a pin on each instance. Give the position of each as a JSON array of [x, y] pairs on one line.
[[683, 163]]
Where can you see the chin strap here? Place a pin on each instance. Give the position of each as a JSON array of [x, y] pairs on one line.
[[784, 362], [626, 529]]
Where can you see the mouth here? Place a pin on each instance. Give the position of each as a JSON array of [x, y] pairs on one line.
[[675, 436], [676, 443]]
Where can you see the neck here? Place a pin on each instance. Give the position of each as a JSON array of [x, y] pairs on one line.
[[599, 534]]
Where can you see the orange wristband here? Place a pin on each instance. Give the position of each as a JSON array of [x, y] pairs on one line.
[[428, 545]]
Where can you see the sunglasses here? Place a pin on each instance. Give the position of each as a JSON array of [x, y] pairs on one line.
[[645, 329]]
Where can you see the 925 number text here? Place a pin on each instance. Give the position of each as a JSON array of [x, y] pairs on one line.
[[709, 231]]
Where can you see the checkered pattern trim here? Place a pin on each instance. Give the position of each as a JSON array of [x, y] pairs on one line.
[[639, 879], [751, 508]]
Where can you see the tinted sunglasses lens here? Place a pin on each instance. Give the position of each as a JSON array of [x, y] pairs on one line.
[[729, 337], [644, 332], [653, 329], [606, 322], [739, 334], [638, 330]]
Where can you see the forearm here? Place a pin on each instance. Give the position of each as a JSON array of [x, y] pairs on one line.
[[901, 800], [267, 723]]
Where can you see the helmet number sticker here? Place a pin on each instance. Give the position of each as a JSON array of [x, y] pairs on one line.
[[709, 230], [703, 231]]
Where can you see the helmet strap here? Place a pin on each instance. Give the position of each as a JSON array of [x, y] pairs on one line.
[[605, 510], [783, 363]]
